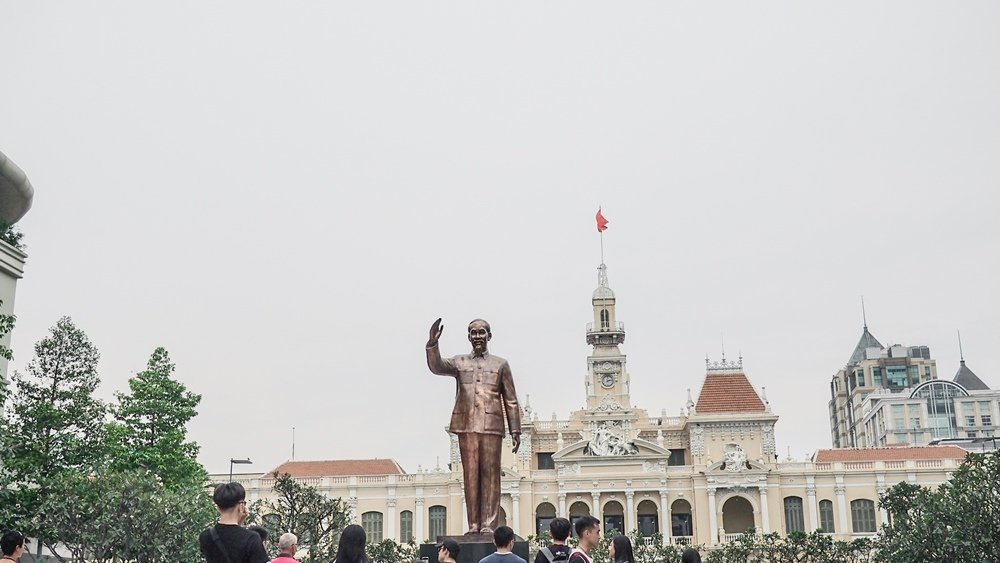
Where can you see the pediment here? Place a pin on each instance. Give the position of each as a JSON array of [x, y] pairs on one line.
[[644, 450]]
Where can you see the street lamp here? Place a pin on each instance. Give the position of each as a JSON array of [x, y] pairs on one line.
[[237, 462]]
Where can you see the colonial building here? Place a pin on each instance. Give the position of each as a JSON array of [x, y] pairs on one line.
[[703, 476]]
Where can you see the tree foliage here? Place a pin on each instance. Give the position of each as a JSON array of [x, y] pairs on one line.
[[302, 510], [958, 521], [12, 236], [149, 430], [388, 551], [126, 516], [647, 549], [54, 424], [797, 547]]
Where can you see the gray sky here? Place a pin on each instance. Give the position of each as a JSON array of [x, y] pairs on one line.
[[285, 195]]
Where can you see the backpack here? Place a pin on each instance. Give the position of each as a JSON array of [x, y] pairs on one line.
[[561, 556]]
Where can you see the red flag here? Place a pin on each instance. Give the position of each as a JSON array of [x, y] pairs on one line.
[[602, 223]]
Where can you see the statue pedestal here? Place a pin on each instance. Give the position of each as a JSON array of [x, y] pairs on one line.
[[472, 548]]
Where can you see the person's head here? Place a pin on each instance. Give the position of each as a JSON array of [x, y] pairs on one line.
[[229, 497], [503, 536], [690, 555], [620, 550], [588, 530], [288, 543], [479, 334], [352, 545], [448, 550], [559, 528], [12, 544], [260, 532]]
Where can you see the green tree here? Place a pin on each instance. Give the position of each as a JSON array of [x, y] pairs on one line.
[[958, 521], [150, 426], [54, 423], [126, 516], [302, 510], [797, 547], [388, 551]]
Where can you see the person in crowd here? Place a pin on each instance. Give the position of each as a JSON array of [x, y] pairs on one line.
[[620, 550], [352, 546], [559, 529], [503, 538], [260, 532], [12, 546], [448, 551], [690, 555], [228, 541], [588, 530], [288, 544]]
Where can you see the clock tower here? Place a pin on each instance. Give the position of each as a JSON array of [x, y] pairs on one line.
[[607, 381]]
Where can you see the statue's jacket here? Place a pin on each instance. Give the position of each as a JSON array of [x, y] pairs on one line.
[[484, 392]]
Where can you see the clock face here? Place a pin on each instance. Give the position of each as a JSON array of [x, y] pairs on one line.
[[608, 380]]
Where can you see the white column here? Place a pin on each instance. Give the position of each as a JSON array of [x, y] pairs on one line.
[[713, 518], [665, 527], [562, 505], [390, 524], [418, 521], [880, 488], [596, 511], [842, 507], [465, 517], [515, 500], [813, 523], [631, 520], [765, 511]]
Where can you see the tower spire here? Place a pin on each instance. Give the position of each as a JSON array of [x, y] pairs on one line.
[[864, 317], [961, 354]]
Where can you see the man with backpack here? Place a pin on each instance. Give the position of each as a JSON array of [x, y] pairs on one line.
[[228, 541], [559, 530]]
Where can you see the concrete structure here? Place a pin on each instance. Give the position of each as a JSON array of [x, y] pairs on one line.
[[872, 368], [702, 476], [15, 199]]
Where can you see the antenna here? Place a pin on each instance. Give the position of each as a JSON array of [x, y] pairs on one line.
[[293, 443], [864, 316], [961, 354]]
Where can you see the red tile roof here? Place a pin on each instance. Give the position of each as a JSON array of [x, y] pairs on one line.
[[335, 467], [890, 454], [728, 392]]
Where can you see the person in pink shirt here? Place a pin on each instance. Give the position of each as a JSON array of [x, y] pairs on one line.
[[288, 544]]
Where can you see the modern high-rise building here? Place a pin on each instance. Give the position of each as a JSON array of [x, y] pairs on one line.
[[15, 200], [873, 368]]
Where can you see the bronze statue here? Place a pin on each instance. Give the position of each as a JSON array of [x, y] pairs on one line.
[[484, 392]]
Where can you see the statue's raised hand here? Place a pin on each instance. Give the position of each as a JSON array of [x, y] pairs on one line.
[[436, 329]]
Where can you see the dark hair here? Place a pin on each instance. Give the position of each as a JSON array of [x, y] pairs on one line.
[[503, 536], [228, 495], [10, 541], [488, 333], [352, 546], [559, 528], [585, 523], [260, 532], [623, 549], [690, 555]]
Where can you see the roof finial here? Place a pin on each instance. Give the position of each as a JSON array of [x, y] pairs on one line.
[[722, 336], [864, 317], [961, 354]]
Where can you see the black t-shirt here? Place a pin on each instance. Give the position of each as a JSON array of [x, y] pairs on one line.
[[556, 550], [242, 545]]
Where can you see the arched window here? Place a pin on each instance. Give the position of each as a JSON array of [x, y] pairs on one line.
[[405, 526], [614, 517], [437, 516], [372, 523], [826, 517], [576, 510], [681, 524], [545, 513], [605, 319], [793, 515], [863, 516], [649, 523]]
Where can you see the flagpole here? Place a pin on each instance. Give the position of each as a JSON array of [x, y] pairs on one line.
[[602, 247]]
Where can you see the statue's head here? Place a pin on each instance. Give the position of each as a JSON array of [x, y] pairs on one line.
[[479, 334]]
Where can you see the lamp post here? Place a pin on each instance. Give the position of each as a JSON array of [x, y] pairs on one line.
[[237, 462]]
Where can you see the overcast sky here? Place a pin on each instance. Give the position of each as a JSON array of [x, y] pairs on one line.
[[286, 194]]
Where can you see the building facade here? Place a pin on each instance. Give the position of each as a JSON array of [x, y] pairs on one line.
[[703, 476], [872, 368], [16, 195]]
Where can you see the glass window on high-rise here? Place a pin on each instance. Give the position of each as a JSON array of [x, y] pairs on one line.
[[877, 376], [941, 405], [970, 434], [989, 433], [914, 375], [901, 438], [927, 372], [970, 421], [897, 376], [984, 407], [861, 378], [986, 420]]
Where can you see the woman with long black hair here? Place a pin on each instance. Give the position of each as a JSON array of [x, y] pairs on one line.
[[352, 546], [620, 550]]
